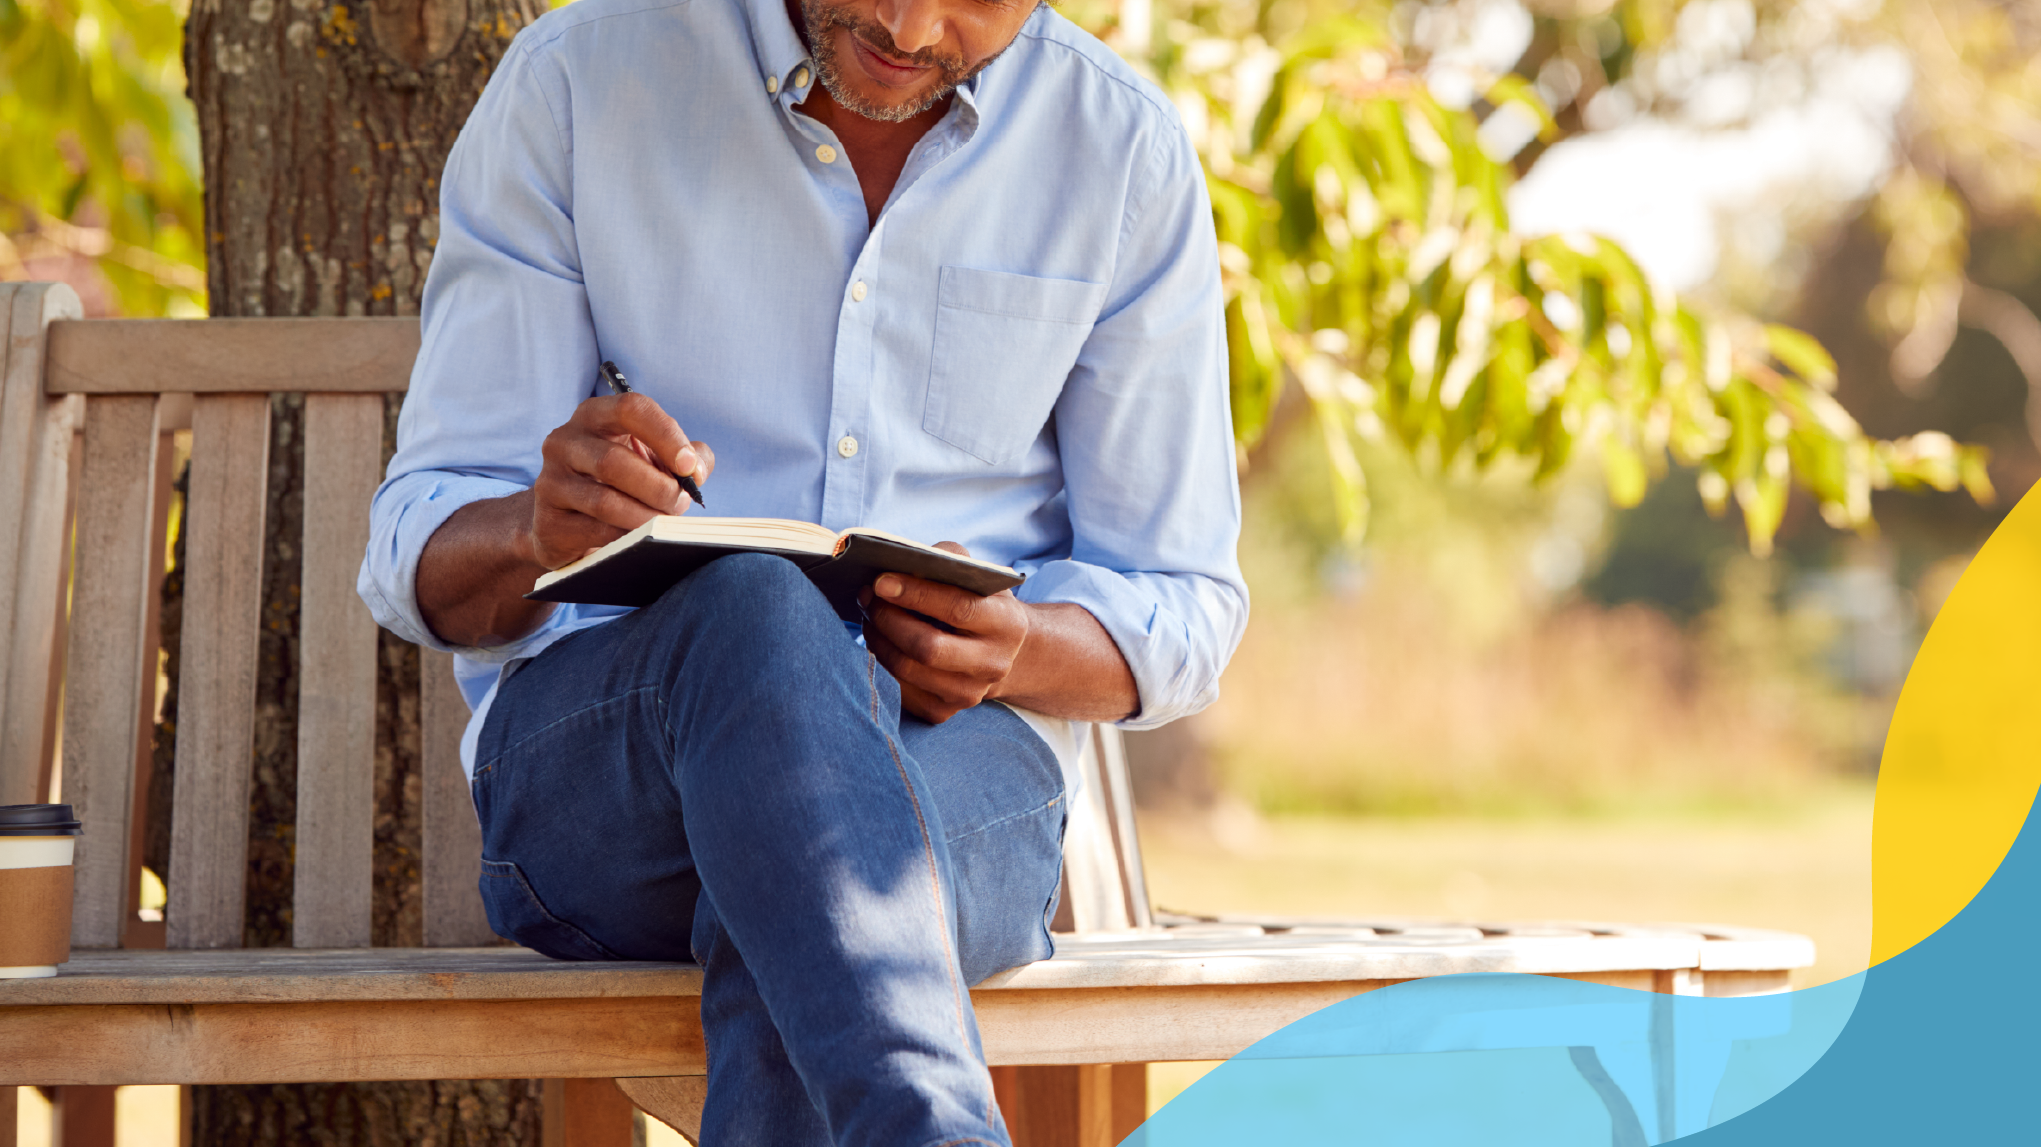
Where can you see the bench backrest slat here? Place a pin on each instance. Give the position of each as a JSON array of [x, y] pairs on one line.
[[35, 459], [1119, 794], [1092, 890], [334, 867], [109, 705], [452, 862], [216, 689], [239, 356]]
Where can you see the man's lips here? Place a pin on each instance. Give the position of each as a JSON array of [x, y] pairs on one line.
[[885, 71]]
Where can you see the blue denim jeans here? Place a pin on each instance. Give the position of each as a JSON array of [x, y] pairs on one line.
[[726, 775]]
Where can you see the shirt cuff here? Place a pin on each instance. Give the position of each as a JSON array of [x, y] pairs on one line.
[[407, 511], [1175, 664]]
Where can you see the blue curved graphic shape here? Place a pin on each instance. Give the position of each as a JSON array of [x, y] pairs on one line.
[[1943, 1045], [1522, 1060], [1937, 1044]]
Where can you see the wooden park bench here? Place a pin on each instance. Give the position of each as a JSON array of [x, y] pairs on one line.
[[86, 415]]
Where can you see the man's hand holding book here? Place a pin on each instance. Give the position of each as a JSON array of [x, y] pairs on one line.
[[948, 647]]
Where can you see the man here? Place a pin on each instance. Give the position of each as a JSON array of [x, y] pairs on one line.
[[944, 267]]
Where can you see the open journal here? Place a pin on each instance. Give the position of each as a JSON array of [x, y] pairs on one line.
[[638, 567]]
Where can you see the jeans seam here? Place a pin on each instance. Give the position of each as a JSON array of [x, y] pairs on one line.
[[1052, 802], [549, 726], [934, 876]]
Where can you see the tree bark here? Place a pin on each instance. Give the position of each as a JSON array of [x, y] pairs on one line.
[[324, 129]]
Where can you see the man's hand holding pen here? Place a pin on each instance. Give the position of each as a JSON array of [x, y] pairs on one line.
[[613, 467]]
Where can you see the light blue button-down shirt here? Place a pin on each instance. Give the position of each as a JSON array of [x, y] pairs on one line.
[[1025, 354]]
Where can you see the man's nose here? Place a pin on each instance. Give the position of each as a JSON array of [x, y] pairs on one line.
[[913, 24]]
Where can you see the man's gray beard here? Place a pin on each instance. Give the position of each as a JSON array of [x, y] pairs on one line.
[[822, 24], [826, 66]]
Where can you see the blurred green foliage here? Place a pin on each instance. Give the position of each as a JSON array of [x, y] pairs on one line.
[[1368, 256], [1967, 148], [99, 155]]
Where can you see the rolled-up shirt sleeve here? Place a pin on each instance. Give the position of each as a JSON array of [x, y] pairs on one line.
[[507, 345], [1144, 428]]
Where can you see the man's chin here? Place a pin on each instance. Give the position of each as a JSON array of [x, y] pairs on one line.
[[889, 105]]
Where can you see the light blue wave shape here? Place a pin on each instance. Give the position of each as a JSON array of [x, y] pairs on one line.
[[1527, 1061]]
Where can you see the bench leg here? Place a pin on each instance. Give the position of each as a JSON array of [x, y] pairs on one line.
[[675, 1100], [1130, 1099], [586, 1113], [84, 1117], [10, 1113], [1094, 1105]]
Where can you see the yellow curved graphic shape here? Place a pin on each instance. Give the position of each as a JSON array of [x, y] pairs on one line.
[[1963, 756]]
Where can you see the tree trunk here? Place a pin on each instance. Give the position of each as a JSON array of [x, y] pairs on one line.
[[324, 129]]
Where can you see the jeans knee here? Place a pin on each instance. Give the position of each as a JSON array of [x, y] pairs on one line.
[[740, 587], [759, 604], [747, 581]]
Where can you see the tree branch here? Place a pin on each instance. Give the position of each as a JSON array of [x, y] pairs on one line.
[[2007, 319]]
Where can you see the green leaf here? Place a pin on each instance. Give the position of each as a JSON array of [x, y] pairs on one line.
[[1257, 374], [1624, 471], [68, 205], [1802, 355], [1822, 464], [1515, 89], [1971, 464], [1763, 500]]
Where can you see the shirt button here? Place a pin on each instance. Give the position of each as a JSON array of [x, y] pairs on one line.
[[857, 291], [800, 77], [847, 446], [826, 153], [772, 85]]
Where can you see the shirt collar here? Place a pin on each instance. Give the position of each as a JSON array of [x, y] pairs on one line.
[[777, 47], [968, 111]]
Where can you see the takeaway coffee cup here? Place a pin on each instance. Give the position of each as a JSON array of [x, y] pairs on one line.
[[36, 841]]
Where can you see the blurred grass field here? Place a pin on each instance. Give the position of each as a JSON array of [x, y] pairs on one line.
[[1803, 868]]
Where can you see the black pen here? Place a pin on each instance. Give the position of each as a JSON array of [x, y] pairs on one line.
[[618, 385]]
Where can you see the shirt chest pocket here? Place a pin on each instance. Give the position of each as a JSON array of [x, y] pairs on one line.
[[1003, 346]]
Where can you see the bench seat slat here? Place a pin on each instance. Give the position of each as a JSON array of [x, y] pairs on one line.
[[216, 706], [108, 704], [341, 1042], [584, 1037], [1111, 962], [592, 1036], [334, 869], [314, 975]]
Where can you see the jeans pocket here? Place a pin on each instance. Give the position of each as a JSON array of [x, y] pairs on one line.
[[516, 913], [1003, 346]]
